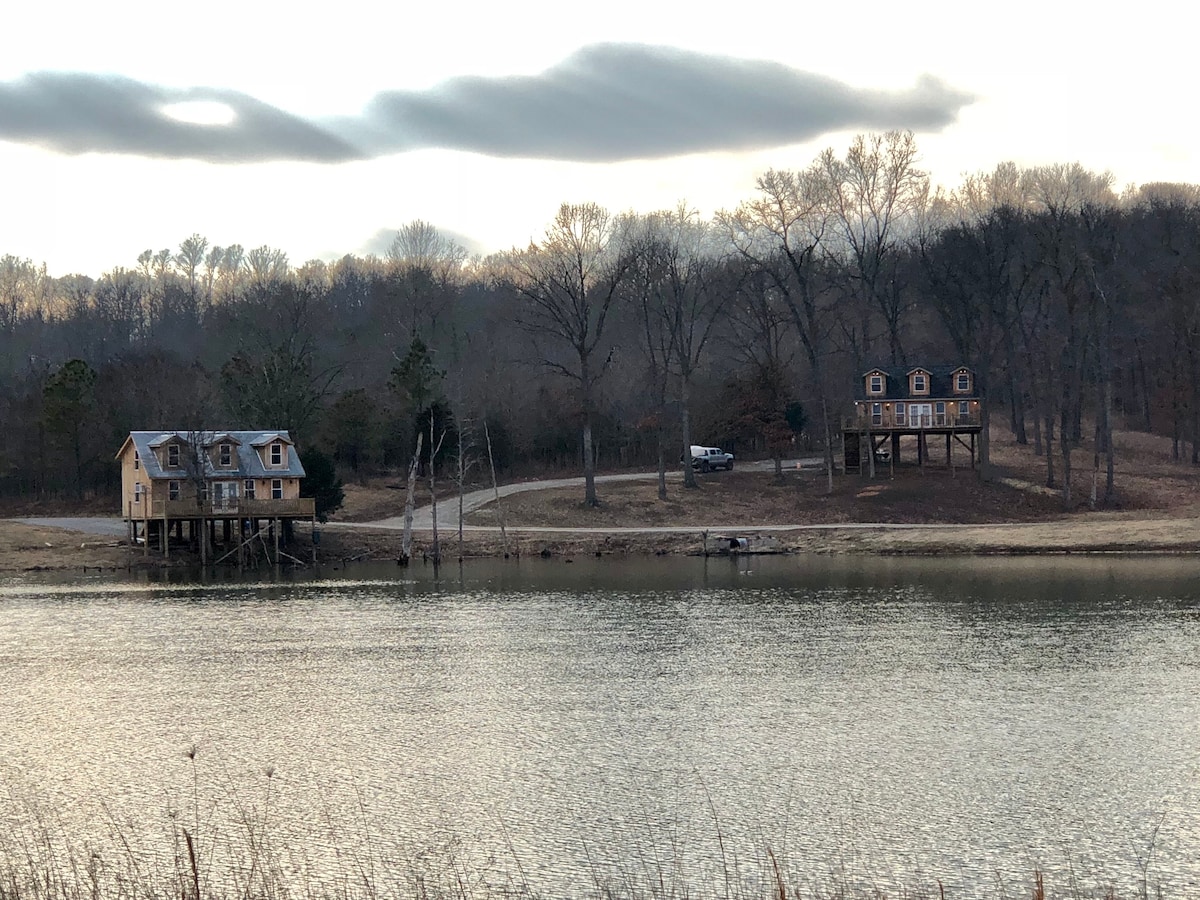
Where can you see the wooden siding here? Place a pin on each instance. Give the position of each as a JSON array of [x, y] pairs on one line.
[[155, 497]]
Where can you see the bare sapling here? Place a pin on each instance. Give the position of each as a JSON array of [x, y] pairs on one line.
[[433, 452], [462, 477], [406, 540], [495, 488]]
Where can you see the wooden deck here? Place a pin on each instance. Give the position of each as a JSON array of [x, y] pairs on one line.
[[234, 508]]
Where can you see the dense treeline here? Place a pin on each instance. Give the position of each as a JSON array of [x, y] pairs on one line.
[[619, 339]]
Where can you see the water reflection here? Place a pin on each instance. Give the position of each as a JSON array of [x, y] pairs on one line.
[[901, 719]]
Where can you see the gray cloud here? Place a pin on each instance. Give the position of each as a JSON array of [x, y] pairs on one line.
[[605, 103], [613, 102], [82, 113]]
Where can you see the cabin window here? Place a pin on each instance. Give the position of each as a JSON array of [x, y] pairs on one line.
[[137, 493], [277, 454], [962, 382], [876, 413], [137, 460], [964, 412], [899, 413], [172, 456], [202, 490], [249, 489], [939, 412], [276, 488], [225, 455], [876, 384], [919, 384], [172, 490]]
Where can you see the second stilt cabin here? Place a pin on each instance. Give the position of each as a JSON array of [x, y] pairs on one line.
[[892, 402]]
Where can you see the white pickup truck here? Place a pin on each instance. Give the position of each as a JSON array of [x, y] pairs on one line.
[[708, 458]]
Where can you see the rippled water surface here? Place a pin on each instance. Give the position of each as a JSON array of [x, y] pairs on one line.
[[888, 722]]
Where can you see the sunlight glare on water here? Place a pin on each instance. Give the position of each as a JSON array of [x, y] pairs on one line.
[[897, 722]]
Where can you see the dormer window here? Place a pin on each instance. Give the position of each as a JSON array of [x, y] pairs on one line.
[[875, 384], [277, 455], [225, 456], [962, 382], [920, 383], [172, 456]]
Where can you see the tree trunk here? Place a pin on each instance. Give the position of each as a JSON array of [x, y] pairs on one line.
[[662, 466], [828, 439], [589, 459], [1109, 450], [1051, 482], [1016, 391], [437, 549], [406, 537], [589, 465], [985, 440], [1065, 445], [1141, 368], [495, 489], [462, 478], [1195, 414], [685, 420]]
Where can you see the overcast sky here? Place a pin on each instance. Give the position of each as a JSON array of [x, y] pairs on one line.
[[131, 125]]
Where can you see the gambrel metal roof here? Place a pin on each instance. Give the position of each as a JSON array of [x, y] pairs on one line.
[[895, 383], [247, 462]]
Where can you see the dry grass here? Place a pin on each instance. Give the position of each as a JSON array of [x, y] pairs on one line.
[[1157, 503], [236, 851], [31, 547]]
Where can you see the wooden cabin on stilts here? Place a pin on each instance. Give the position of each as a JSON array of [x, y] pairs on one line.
[[219, 493], [915, 407]]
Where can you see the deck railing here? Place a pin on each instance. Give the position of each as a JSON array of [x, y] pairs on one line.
[[886, 420], [298, 507]]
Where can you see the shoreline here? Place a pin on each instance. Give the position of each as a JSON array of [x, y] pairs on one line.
[[46, 548]]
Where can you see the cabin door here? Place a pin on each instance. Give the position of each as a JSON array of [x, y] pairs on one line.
[[224, 495], [921, 414]]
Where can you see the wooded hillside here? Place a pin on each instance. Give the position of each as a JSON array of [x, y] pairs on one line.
[[624, 337]]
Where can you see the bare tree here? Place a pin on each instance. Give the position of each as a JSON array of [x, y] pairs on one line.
[[189, 259], [423, 278], [231, 272], [406, 534], [568, 284], [680, 254], [874, 194], [780, 232], [975, 280], [758, 339], [212, 265], [266, 266], [25, 290], [279, 375], [420, 244], [644, 284]]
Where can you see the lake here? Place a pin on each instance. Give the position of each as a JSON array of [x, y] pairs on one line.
[[636, 726]]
